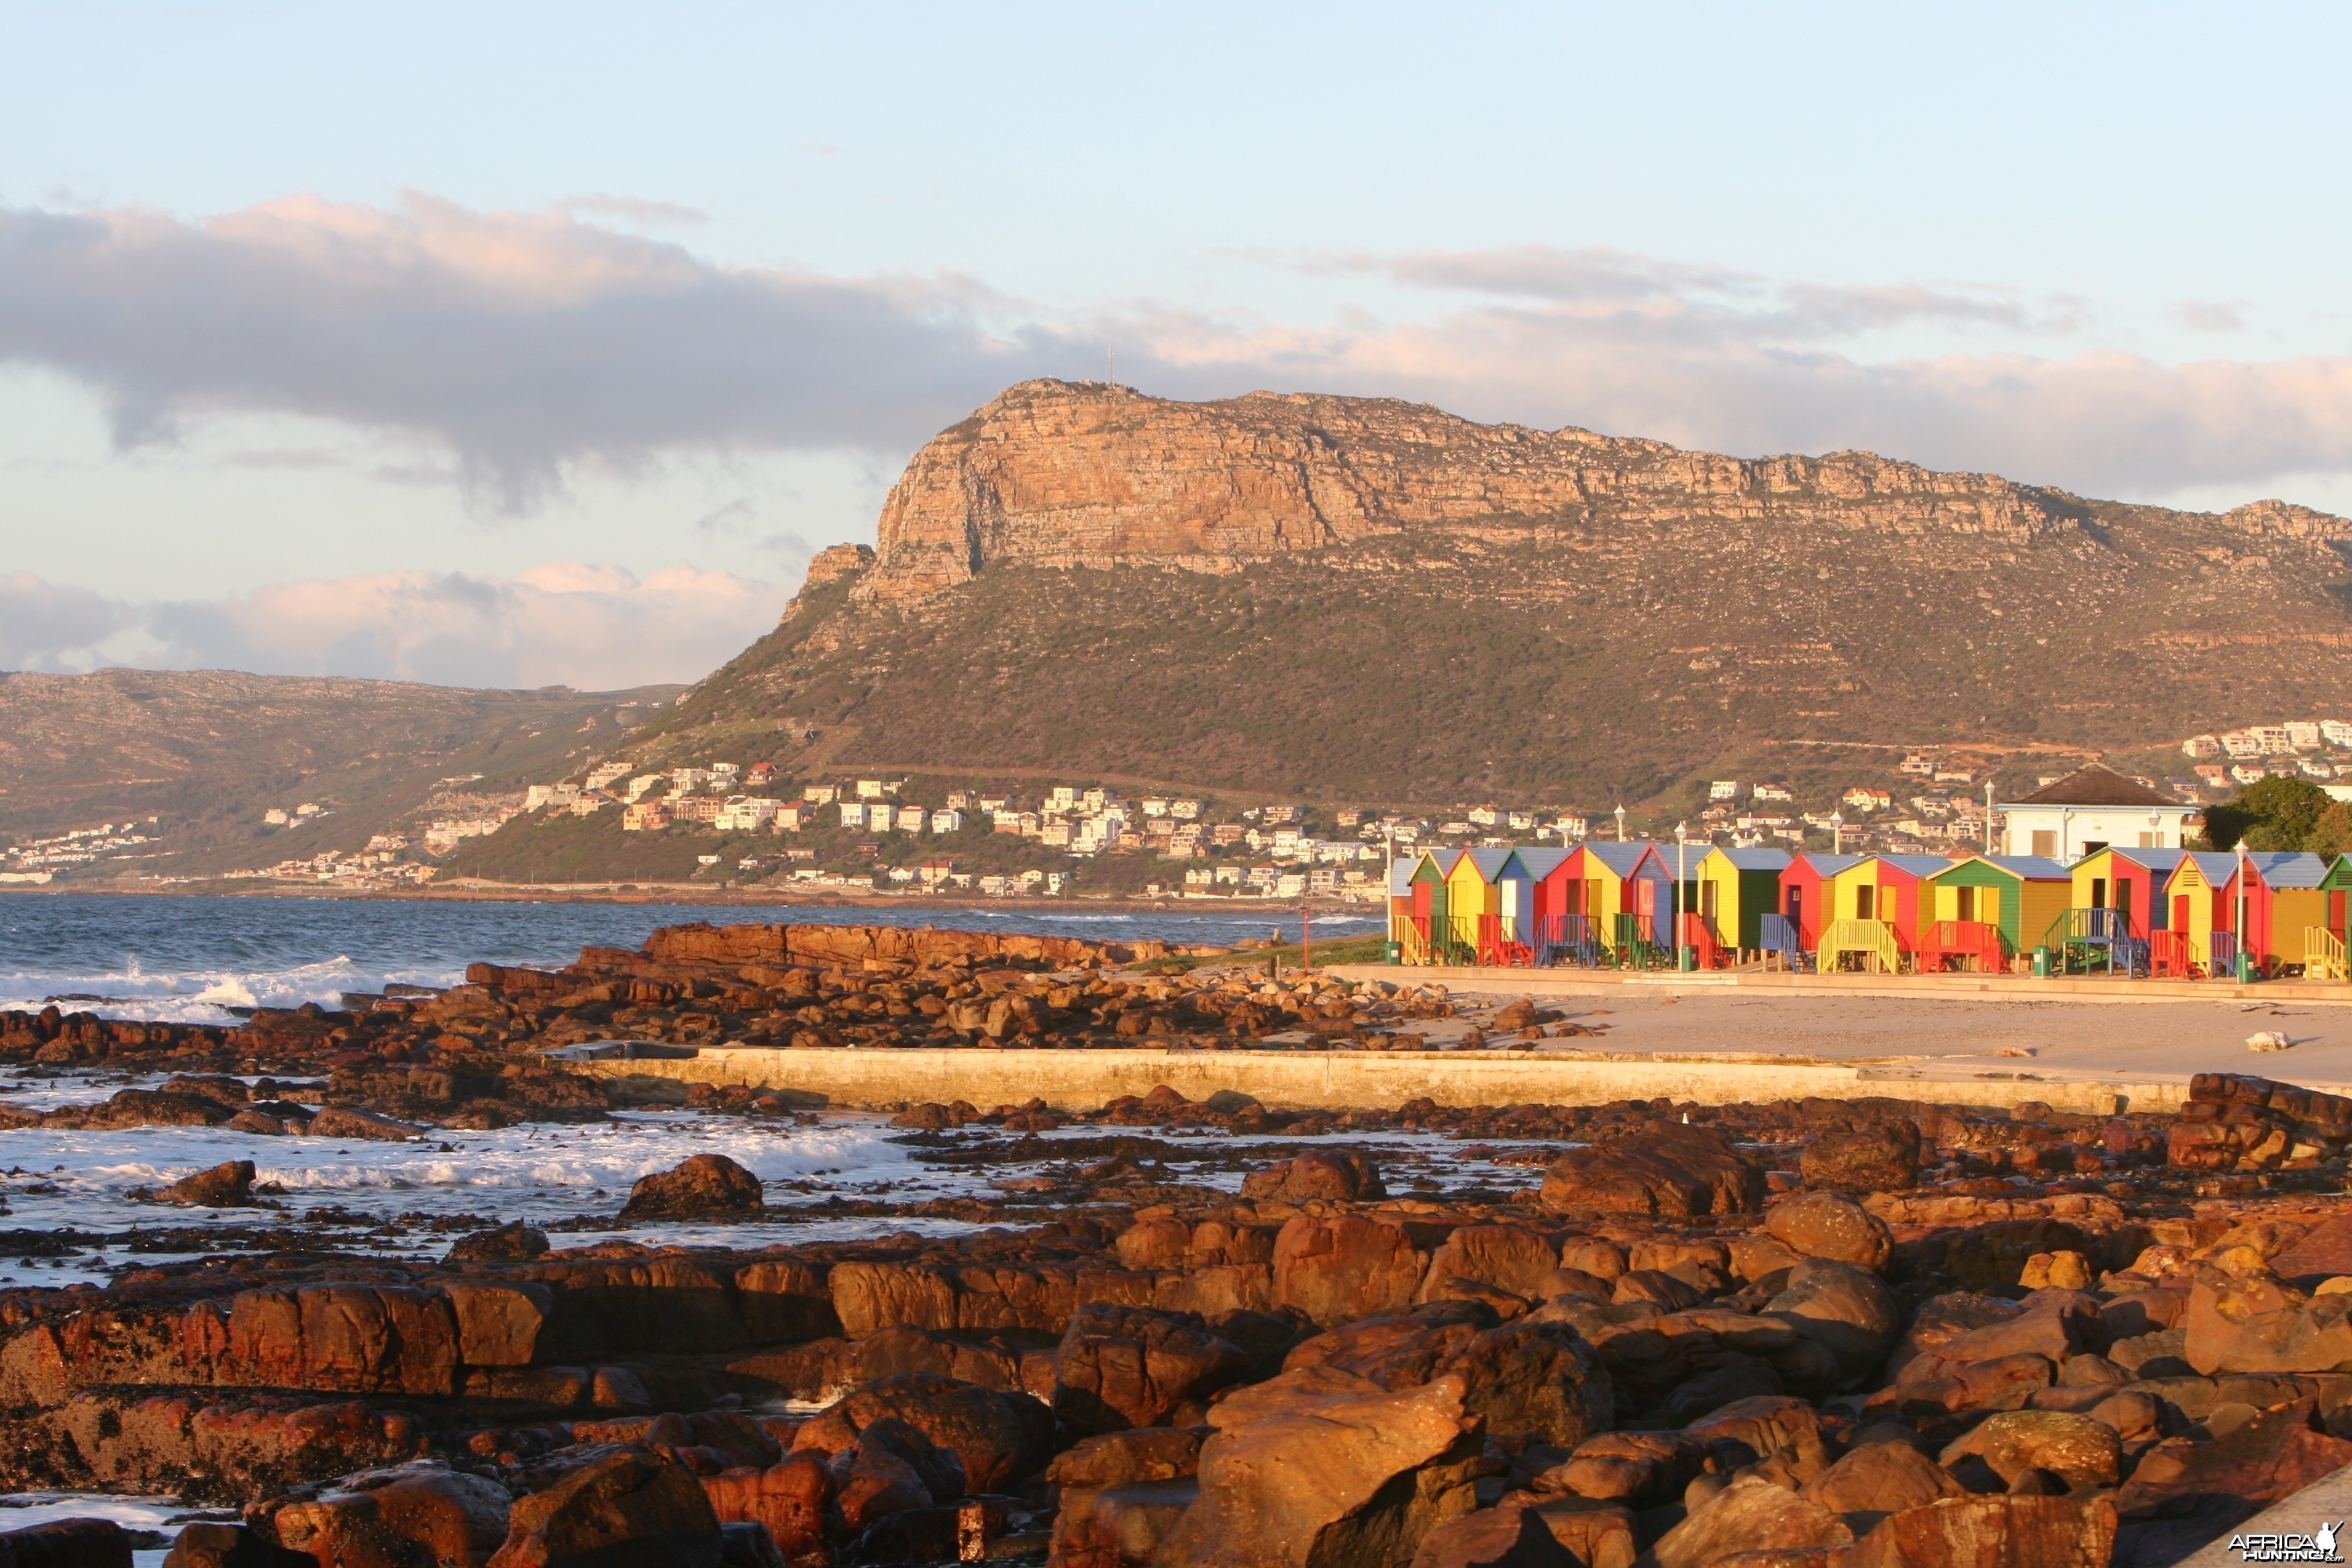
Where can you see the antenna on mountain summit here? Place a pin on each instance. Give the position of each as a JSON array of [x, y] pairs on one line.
[[1114, 363]]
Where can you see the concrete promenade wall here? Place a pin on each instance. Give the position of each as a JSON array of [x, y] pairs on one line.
[[1972, 987], [850, 1077]]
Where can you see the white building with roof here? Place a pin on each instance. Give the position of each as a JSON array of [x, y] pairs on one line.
[[2091, 809]]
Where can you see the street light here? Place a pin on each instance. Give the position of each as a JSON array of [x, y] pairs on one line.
[[1682, 870], [1988, 816], [1620, 825], [2241, 911], [1837, 832]]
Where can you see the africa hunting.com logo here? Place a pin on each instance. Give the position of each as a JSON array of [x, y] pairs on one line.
[[2319, 1547]]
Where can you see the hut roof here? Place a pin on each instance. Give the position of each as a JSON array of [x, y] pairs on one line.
[[2288, 868], [1489, 860], [2154, 859], [1756, 859], [1622, 859], [1826, 865], [2031, 867], [2215, 867], [1539, 862], [2097, 786], [1913, 864]]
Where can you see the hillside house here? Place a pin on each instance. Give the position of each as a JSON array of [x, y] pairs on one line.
[[950, 820], [2201, 746], [645, 817], [1864, 797], [744, 814], [820, 795], [1155, 806], [910, 818], [852, 814], [2090, 809], [1184, 810], [2335, 731], [1723, 789]]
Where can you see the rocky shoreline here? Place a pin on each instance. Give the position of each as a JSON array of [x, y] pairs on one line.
[[1827, 1333]]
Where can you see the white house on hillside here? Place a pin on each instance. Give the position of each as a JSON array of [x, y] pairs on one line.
[[2091, 809]]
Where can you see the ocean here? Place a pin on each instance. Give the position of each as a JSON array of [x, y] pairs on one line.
[[189, 960]]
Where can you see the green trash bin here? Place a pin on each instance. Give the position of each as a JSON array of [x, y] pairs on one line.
[[1686, 958], [2041, 963], [2246, 975], [1393, 953]]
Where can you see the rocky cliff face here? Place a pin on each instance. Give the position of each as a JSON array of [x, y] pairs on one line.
[[1058, 474]]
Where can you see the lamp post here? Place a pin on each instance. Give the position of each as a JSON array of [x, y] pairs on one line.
[[1683, 953], [1620, 825], [2241, 911], [1837, 832], [1988, 816]]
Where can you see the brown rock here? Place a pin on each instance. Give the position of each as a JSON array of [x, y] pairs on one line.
[[1672, 1173], [789, 1497], [67, 1543], [2078, 1449], [1507, 1256], [1883, 1157], [708, 1186], [2277, 1453], [1993, 1532], [228, 1546], [1142, 1480], [1319, 1468], [1846, 1311], [228, 1184], [1344, 1268], [1128, 1366], [1748, 1515], [1513, 1536], [2251, 1323], [626, 1507], [508, 1243], [997, 1437], [1824, 1225], [1641, 1470], [344, 1121], [1880, 1479], [1316, 1174], [389, 1518]]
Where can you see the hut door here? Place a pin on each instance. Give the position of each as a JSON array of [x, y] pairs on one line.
[[1797, 908], [1965, 906], [2124, 894], [1645, 899], [2098, 892], [2336, 914], [2181, 912], [1706, 901], [1865, 901]]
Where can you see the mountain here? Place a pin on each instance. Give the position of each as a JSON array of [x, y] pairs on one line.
[[208, 752], [1336, 597]]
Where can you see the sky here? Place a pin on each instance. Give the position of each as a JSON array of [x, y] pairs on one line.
[[521, 344]]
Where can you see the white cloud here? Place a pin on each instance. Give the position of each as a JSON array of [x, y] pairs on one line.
[[592, 627], [525, 345]]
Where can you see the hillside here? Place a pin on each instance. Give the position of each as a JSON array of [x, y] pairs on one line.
[[208, 752], [1349, 598]]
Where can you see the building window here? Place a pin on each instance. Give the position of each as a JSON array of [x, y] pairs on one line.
[[2093, 847], [2147, 841], [2045, 842]]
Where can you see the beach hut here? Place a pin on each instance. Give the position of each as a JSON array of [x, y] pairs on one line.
[[2282, 898], [2201, 916], [2294, 903], [1873, 911], [2325, 956], [1469, 897], [1737, 889], [1804, 897], [1534, 875], [2128, 881], [1628, 896], [1983, 911], [1504, 924], [1422, 933]]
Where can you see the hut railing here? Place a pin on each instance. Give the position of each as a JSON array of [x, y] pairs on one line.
[[1977, 942], [2323, 954], [1707, 948], [1779, 936], [1562, 938], [1874, 941], [1633, 944], [1499, 946], [2225, 948], [2091, 939], [2172, 954]]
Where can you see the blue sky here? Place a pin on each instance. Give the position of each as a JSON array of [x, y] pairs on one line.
[[516, 343]]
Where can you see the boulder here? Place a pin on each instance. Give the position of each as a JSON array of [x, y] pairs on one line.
[[1824, 1225], [387, 1518], [345, 1121], [2077, 1448], [1337, 1270], [891, 1469], [1748, 1515], [1641, 1470], [67, 1543], [998, 1438], [1513, 1536], [1130, 1366], [1883, 1157], [1316, 1174], [511, 1243], [1845, 1311], [1321, 1468], [2253, 1323], [790, 1498], [228, 1184], [229, 1546], [1992, 1532], [1507, 1256], [1536, 1377], [1878, 1479], [1670, 1172], [623, 1506], [1141, 1477], [708, 1186], [2277, 1453]]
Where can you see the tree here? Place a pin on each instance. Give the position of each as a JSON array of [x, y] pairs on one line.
[[2270, 813], [2333, 835]]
